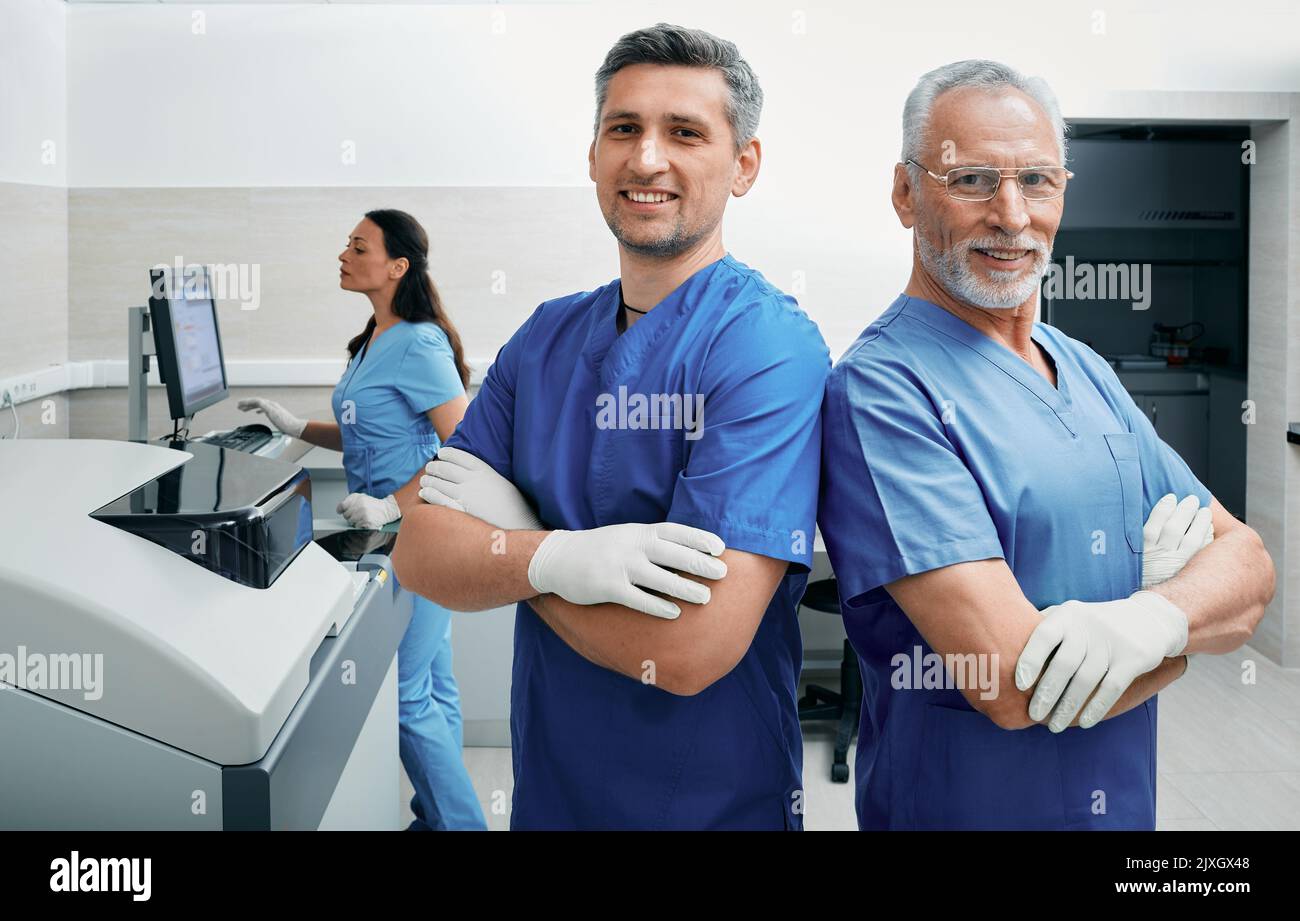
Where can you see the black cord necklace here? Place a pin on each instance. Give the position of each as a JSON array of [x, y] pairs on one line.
[[622, 303]]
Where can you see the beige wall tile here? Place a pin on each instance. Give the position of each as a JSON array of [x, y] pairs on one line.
[[540, 243], [34, 269]]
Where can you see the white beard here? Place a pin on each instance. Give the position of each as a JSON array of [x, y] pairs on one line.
[[1001, 290]]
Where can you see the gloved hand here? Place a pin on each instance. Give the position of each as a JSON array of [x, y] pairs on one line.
[[613, 564], [280, 417], [362, 511], [459, 480], [1173, 534], [1108, 642]]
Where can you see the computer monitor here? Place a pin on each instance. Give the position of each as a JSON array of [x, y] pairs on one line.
[[186, 338]]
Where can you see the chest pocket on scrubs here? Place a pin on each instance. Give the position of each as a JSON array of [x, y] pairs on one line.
[[664, 446], [1124, 451], [641, 469]]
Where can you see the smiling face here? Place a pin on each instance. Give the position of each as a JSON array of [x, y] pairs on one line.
[[989, 254], [664, 159], [364, 265]]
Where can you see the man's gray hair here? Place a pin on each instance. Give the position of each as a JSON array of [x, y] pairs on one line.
[[983, 74], [668, 44]]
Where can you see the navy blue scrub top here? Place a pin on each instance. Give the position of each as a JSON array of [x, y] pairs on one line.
[[593, 748]]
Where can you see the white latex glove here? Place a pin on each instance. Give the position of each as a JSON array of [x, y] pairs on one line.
[[1107, 643], [459, 480], [280, 417], [1172, 536], [614, 563], [362, 511]]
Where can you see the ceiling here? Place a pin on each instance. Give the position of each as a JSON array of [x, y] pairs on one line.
[[354, 2]]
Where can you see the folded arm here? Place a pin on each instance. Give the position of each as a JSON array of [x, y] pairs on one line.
[[462, 562], [1224, 588], [978, 607], [466, 564], [684, 655]]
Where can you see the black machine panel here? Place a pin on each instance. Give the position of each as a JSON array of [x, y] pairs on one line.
[[239, 515]]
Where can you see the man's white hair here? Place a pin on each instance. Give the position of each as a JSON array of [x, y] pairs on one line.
[[983, 74]]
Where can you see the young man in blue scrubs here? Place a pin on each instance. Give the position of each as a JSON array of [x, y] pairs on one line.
[[985, 479], [666, 423]]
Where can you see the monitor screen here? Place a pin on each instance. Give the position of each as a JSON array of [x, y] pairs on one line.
[[187, 339]]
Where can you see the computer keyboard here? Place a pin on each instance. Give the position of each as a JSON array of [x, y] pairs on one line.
[[244, 438]]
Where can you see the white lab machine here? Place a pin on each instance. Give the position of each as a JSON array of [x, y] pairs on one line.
[[248, 679]]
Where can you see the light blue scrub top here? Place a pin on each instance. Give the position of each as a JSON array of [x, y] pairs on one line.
[[593, 748], [382, 402], [941, 446]]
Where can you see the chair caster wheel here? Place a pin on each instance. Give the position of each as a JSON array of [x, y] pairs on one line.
[[839, 773]]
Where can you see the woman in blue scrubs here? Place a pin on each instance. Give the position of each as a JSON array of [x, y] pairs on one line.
[[402, 394]]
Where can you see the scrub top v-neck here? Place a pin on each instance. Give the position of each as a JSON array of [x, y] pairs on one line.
[[942, 446], [561, 415]]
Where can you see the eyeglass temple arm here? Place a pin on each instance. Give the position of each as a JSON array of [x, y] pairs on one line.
[[935, 176], [1003, 172]]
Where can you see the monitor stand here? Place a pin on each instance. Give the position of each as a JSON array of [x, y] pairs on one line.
[[139, 349]]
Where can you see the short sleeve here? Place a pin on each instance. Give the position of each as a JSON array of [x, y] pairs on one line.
[[487, 431], [896, 497], [751, 476], [427, 375]]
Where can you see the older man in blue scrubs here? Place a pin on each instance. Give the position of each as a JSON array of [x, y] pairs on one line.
[[639, 471], [984, 486]]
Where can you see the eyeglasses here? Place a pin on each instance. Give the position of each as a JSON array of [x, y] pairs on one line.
[[981, 183]]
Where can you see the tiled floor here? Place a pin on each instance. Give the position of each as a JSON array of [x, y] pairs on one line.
[[1229, 755], [1230, 745]]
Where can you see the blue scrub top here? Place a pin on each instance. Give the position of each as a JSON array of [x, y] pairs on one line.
[[594, 748], [941, 446], [382, 402]]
